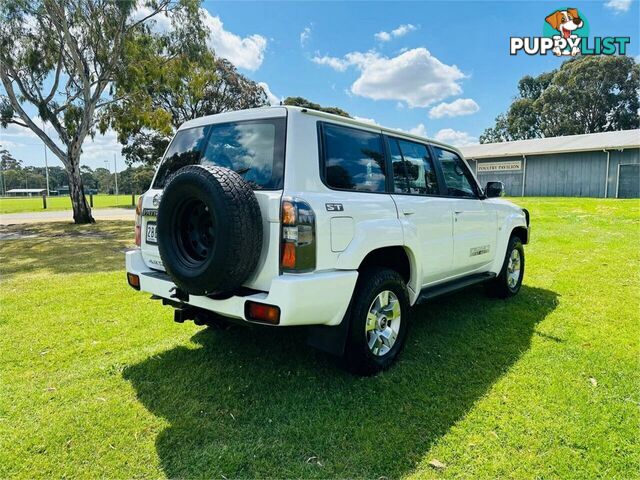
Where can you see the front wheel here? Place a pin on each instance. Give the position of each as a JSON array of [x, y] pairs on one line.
[[379, 319], [509, 281]]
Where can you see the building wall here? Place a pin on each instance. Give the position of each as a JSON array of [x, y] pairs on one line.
[[576, 174]]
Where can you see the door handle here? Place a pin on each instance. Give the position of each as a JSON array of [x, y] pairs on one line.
[[408, 212], [458, 212]]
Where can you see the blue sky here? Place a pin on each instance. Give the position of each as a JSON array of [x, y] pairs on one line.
[[440, 68]]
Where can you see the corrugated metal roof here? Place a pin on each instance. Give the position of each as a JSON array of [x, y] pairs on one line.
[[26, 190], [571, 143]]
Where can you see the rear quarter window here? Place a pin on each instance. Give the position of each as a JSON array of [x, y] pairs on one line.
[[253, 149], [353, 159]]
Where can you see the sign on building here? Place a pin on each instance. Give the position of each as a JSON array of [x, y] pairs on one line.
[[499, 166]]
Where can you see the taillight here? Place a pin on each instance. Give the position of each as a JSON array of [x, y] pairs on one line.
[[139, 221], [298, 236]]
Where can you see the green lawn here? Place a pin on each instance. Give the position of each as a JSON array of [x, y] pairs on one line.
[[97, 381], [34, 204]]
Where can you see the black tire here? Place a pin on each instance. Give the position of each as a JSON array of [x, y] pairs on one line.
[[209, 230], [358, 357], [500, 286]]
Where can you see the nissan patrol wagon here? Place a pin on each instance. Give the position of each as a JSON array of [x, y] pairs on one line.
[[286, 216]]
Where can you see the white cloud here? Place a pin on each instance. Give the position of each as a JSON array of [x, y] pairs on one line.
[[415, 77], [364, 119], [10, 144], [383, 36], [457, 108], [395, 33], [419, 130], [305, 35], [618, 6], [455, 137], [247, 52], [160, 23], [101, 148], [273, 99], [336, 63], [22, 133]]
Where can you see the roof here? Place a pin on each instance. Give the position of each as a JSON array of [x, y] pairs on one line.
[[618, 140], [281, 111], [26, 190], [371, 125]]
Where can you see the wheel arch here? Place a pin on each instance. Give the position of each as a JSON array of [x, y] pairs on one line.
[[522, 233], [398, 258]]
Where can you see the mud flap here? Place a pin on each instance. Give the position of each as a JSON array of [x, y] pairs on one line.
[[330, 339]]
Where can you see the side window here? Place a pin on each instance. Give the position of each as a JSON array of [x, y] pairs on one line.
[[457, 178], [354, 159], [419, 167]]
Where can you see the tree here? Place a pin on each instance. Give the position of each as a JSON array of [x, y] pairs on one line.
[[135, 179], [104, 179], [144, 147], [88, 178], [585, 95], [304, 103], [7, 162], [61, 57], [182, 88]]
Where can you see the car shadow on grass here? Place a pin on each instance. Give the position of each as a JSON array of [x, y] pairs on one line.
[[258, 403]]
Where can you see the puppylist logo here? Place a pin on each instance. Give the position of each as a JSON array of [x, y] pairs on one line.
[[566, 32]]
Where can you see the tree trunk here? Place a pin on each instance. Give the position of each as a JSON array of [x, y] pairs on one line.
[[81, 209]]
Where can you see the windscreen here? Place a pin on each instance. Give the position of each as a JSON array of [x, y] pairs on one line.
[[253, 149]]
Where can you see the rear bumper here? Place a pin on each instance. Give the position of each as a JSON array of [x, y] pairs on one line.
[[304, 299]]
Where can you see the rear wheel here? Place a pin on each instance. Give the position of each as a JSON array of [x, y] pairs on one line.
[[379, 319]]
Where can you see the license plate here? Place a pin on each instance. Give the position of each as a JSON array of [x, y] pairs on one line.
[[151, 232]]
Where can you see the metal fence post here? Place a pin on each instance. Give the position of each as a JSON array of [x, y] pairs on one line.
[[44, 201]]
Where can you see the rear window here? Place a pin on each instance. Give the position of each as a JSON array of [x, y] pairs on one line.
[[353, 159], [253, 149]]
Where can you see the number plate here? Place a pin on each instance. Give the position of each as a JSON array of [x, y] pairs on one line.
[[151, 232]]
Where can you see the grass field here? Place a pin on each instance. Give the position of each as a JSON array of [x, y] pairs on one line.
[[97, 380], [63, 202]]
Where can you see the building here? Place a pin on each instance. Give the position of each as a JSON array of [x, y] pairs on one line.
[[591, 165], [26, 192]]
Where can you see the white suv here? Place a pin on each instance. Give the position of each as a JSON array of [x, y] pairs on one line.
[[287, 216]]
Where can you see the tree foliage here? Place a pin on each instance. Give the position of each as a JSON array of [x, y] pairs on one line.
[[66, 58], [304, 103], [166, 92], [585, 95]]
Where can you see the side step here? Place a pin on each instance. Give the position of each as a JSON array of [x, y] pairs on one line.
[[430, 293]]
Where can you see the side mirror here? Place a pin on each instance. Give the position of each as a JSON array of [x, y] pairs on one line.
[[494, 189]]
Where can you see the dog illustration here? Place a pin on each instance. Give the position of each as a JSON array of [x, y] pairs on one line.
[[566, 22]]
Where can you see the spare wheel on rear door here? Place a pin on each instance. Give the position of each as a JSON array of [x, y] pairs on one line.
[[209, 230]]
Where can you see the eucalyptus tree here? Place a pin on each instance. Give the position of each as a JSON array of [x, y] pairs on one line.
[[61, 62], [587, 94], [182, 87]]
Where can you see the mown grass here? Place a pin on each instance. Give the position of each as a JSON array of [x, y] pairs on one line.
[[63, 202], [97, 381]]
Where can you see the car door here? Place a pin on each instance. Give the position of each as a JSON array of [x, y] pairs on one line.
[[474, 223], [426, 217]]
